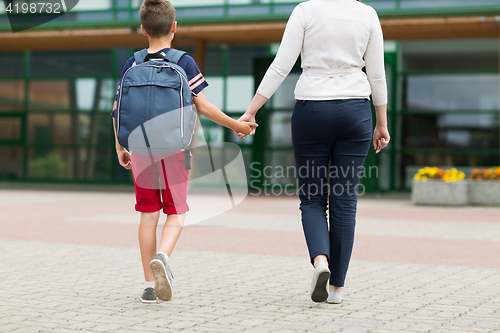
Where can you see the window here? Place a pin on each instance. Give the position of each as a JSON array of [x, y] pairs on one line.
[[451, 130], [93, 5], [239, 93], [49, 95], [10, 129], [83, 94], [69, 133], [11, 63], [463, 54], [413, 4], [94, 94], [280, 129], [12, 162], [453, 92], [71, 63], [449, 120], [11, 95], [284, 98], [215, 91]]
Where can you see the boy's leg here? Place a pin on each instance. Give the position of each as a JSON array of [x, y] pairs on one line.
[[174, 194], [147, 241], [148, 202], [159, 266], [171, 232]]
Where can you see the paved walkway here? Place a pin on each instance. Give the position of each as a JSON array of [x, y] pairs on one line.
[[69, 261]]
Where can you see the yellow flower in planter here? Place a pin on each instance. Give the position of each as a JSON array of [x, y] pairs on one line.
[[451, 175], [429, 173]]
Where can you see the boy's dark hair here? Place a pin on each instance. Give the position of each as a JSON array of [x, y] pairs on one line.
[[157, 17]]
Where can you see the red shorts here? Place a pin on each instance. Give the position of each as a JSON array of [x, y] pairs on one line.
[[166, 178]]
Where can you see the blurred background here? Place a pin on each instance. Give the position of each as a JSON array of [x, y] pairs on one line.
[[58, 81]]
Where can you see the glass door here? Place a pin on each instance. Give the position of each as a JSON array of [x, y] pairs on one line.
[[273, 162]]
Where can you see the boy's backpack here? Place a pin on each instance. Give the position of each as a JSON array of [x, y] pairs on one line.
[[155, 115]]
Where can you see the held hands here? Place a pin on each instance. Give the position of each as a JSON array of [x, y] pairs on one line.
[[247, 127], [249, 116], [123, 157], [381, 138]]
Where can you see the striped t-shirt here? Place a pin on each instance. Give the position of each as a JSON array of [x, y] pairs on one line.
[[196, 80]]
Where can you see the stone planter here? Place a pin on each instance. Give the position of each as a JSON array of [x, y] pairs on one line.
[[439, 193], [484, 192]]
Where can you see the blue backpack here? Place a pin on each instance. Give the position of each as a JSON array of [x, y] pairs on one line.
[[155, 115]]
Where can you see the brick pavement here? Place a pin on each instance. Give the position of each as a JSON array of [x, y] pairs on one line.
[[70, 262]]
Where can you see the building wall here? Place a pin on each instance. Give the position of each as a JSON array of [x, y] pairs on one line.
[[54, 105]]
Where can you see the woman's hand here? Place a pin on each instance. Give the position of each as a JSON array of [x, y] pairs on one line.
[[381, 138], [246, 117], [123, 157]]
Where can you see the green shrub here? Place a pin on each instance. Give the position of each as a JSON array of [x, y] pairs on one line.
[[50, 166]]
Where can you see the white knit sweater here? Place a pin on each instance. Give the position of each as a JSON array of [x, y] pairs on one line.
[[337, 39]]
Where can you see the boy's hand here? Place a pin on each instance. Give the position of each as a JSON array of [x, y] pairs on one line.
[[245, 128], [124, 158], [246, 117]]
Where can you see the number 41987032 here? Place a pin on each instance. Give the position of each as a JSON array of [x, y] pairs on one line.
[[34, 8]]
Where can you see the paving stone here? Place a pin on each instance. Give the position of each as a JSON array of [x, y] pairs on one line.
[[12, 327]]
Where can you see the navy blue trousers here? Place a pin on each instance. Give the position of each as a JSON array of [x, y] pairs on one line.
[[330, 142]]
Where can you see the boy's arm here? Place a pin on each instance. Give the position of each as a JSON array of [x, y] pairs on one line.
[[121, 152], [210, 111]]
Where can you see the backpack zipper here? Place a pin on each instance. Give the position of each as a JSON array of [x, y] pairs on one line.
[[182, 105]]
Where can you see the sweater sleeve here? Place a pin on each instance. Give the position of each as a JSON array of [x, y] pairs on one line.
[[374, 61], [287, 55]]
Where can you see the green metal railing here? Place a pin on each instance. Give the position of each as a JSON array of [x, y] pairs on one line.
[[233, 11]]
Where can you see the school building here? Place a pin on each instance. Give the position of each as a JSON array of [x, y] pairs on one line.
[[58, 81]]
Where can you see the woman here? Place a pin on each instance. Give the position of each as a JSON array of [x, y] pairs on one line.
[[331, 123]]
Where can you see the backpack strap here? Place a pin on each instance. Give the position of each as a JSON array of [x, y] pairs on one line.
[[187, 159], [140, 55], [174, 55]]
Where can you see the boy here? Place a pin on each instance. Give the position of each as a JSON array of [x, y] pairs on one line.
[[159, 25]]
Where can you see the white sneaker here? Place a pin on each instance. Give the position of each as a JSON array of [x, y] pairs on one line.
[[334, 297], [319, 283]]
